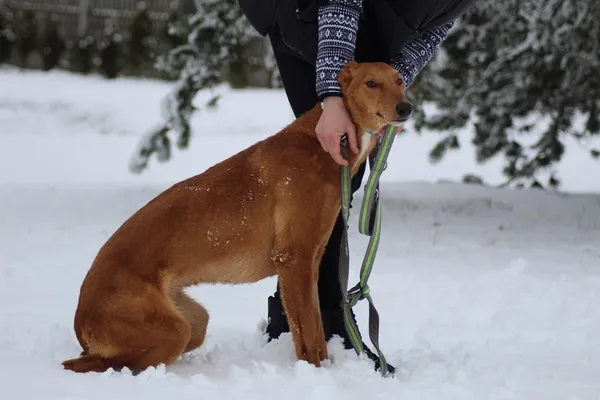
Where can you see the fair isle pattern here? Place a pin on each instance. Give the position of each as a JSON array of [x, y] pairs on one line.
[[338, 24], [413, 57]]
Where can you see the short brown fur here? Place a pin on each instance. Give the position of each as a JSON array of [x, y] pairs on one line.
[[267, 210]]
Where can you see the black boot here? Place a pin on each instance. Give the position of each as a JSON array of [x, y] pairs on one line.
[[333, 324], [277, 322]]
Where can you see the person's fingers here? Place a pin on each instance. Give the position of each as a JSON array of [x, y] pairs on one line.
[[351, 132], [337, 157], [327, 143], [334, 150]]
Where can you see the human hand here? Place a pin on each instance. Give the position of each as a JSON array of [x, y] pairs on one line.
[[334, 123]]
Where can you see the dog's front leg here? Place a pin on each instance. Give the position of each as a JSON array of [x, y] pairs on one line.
[[298, 286]]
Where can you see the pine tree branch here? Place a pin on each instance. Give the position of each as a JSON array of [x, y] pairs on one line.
[[219, 34]]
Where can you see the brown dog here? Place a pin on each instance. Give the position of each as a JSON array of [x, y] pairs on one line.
[[267, 210]]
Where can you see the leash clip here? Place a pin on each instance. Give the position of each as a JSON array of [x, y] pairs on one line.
[[344, 140]]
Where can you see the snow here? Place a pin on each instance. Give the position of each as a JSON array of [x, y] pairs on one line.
[[483, 293]]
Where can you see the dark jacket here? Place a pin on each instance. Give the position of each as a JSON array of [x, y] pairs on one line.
[[385, 25]]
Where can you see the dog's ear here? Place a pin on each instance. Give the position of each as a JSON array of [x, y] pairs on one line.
[[347, 73]]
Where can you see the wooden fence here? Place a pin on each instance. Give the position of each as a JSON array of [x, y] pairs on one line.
[[89, 16]]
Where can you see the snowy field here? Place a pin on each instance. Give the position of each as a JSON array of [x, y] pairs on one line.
[[483, 293]]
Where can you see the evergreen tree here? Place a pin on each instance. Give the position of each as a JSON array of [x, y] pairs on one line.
[[176, 30], [110, 51], [141, 40], [524, 72], [271, 66], [83, 54], [26, 30], [173, 34], [52, 44], [7, 35], [218, 29]]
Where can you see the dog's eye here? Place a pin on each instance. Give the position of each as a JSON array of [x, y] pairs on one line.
[[371, 84], [399, 81]]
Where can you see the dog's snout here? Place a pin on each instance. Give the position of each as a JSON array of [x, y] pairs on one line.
[[404, 110]]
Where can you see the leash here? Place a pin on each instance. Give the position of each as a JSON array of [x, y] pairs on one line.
[[370, 225]]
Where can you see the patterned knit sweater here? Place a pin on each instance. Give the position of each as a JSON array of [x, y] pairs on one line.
[[338, 25]]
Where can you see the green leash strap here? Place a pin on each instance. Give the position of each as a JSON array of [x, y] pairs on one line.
[[372, 158], [371, 189], [368, 226], [344, 260]]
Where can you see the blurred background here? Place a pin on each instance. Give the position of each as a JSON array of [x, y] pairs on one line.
[[516, 82], [111, 37]]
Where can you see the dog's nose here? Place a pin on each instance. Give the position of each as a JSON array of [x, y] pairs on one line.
[[404, 110]]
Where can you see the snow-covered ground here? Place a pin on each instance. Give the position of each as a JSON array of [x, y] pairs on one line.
[[483, 293]]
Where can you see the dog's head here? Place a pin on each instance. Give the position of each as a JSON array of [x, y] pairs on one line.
[[374, 95]]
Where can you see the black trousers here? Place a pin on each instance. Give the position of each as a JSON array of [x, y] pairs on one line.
[[299, 77]]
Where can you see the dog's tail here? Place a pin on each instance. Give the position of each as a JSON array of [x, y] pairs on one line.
[[91, 363]]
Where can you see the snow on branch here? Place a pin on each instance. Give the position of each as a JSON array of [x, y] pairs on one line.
[[219, 31], [512, 60]]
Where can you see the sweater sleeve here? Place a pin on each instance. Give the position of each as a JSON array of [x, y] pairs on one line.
[[338, 25], [417, 53]]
